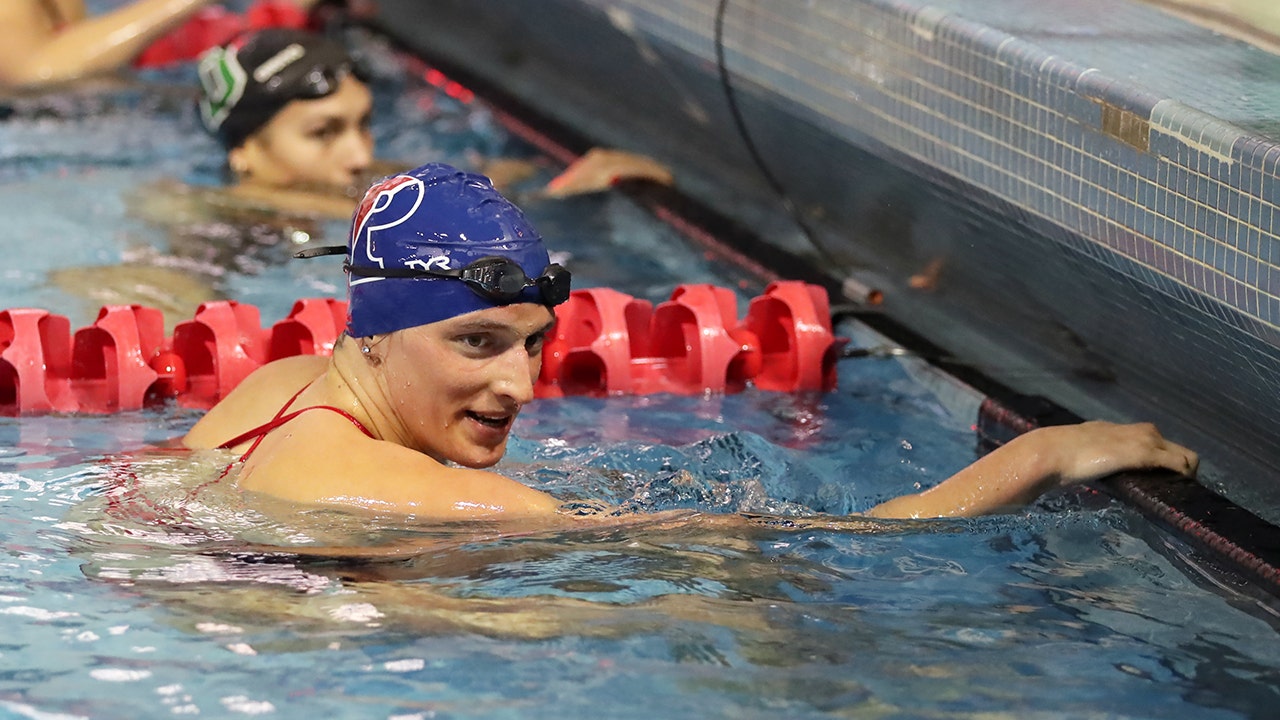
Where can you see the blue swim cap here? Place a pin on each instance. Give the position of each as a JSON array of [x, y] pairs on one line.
[[433, 218]]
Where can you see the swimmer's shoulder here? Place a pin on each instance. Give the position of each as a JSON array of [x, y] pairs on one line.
[[300, 368], [255, 400]]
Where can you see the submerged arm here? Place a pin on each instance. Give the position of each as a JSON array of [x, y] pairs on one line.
[[1011, 476], [1040, 461]]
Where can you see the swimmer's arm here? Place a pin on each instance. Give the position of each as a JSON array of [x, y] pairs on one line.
[[35, 55], [1040, 461], [464, 494], [602, 168], [321, 203], [32, 54], [359, 473], [426, 490]]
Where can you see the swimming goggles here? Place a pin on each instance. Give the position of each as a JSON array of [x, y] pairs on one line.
[[493, 278], [316, 80]]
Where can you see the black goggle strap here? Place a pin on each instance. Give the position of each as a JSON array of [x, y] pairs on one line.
[[321, 251], [360, 271], [321, 80], [319, 75], [495, 277]]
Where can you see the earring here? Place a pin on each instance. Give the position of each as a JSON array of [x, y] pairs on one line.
[[364, 348]]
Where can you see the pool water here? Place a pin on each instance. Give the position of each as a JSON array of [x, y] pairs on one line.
[[1075, 607]]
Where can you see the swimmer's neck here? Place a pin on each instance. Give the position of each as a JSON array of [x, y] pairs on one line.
[[352, 383]]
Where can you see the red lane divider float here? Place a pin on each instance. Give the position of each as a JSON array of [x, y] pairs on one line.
[[605, 343], [110, 360], [35, 356], [609, 343], [216, 25], [216, 349], [124, 362]]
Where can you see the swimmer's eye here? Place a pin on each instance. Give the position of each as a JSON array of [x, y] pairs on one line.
[[475, 342], [326, 132], [533, 344]]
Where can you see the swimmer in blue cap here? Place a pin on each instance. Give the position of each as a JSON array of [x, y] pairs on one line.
[[451, 296]]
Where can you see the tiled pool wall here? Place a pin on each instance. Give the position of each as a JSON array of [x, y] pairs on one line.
[[1082, 221], [1177, 203]]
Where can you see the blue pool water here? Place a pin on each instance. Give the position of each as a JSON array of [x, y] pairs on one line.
[[1074, 608]]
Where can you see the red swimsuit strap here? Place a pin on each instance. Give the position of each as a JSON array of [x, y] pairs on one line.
[[262, 430], [281, 418], [259, 431]]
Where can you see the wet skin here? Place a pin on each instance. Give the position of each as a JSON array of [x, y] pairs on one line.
[[439, 401], [456, 386]]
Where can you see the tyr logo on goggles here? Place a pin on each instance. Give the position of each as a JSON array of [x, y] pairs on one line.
[[494, 277]]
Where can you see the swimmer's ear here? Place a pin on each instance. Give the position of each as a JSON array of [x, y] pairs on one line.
[[238, 162], [366, 349], [252, 153]]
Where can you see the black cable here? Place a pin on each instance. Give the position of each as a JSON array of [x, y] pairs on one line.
[[732, 99]]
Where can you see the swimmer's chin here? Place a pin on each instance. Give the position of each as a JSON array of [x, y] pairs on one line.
[[482, 464]]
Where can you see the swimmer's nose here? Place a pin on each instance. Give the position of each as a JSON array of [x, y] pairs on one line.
[[517, 372], [357, 153]]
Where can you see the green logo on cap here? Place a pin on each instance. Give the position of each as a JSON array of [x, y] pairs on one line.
[[223, 80]]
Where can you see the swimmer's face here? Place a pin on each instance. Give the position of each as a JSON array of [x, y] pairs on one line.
[[458, 384], [324, 142]]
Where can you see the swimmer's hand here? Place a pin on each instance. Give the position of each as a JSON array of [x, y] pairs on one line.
[[1094, 450], [601, 168], [1043, 460]]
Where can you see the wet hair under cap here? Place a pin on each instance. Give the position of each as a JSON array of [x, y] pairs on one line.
[[435, 217], [244, 83]]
